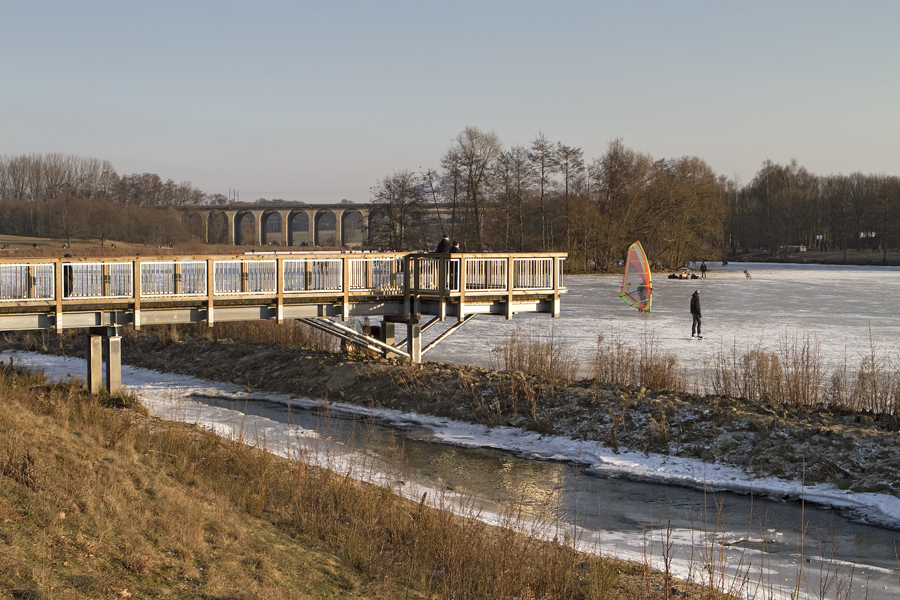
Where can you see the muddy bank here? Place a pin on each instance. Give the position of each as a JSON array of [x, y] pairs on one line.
[[853, 451]]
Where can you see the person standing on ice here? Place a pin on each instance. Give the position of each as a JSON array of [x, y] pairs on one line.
[[695, 313], [444, 245]]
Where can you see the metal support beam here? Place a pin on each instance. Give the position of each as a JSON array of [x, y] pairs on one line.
[[424, 328], [351, 335], [444, 335]]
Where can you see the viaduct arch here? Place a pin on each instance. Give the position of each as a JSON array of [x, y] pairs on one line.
[[331, 225]]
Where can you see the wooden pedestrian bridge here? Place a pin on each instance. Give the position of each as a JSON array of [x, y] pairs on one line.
[[320, 289]]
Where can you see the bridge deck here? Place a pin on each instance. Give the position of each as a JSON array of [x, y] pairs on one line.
[[81, 293]]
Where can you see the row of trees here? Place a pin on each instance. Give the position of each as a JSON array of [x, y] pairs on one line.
[[70, 197], [71, 219], [787, 205], [547, 197], [539, 197], [52, 176]]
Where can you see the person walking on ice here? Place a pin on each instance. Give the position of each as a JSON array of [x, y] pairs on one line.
[[695, 313]]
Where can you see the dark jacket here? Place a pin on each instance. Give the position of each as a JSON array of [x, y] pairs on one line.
[[695, 304], [444, 246]]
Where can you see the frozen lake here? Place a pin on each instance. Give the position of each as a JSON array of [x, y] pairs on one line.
[[844, 308]]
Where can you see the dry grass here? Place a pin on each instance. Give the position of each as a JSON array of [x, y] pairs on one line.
[[616, 362], [290, 333], [797, 376], [537, 353], [99, 502]]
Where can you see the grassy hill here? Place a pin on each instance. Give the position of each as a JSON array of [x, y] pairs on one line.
[[99, 500]]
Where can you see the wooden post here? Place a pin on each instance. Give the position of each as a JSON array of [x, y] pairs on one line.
[[510, 284], [345, 285], [107, 279], [462, 288], [557, 268], [138, 288], [58, 293], [279, 290], [31, 281], [210, 290], [176, 276], [443, 268]]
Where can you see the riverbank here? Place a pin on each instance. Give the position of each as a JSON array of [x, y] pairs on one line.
[[98, 499], [850, 256], [852, 451]]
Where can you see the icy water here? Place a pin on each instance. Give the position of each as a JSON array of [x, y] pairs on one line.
[[846, 309]]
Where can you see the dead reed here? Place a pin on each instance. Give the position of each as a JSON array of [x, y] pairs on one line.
[[618, 362], [798, 376], [539, 353]]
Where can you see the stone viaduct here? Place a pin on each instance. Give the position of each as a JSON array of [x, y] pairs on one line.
[[343, 225]]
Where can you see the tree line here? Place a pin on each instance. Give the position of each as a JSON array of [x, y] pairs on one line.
[[786, 205], [70, 197], [548, 196], [543, 196]]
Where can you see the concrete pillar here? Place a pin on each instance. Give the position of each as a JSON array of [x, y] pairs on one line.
[[95, 363], [387, 335], [258, 215], [285, 227], [338, 217], [113, 347], [104, 348], [231, 226], [414, 341], [311, 227]]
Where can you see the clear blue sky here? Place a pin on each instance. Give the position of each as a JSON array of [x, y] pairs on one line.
[[317, 101]]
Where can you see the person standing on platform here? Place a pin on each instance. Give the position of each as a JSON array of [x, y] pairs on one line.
[[695, 314], [444, 245]]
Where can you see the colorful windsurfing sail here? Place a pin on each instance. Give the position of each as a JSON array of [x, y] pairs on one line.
[[636, 285]]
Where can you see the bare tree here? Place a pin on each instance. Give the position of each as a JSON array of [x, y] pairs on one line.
[[516, 177], [543, 156], [69, 220], [570, 162], [473, 154], [399, 201]]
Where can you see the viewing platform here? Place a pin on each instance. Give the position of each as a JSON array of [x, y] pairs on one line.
[[315, 287]]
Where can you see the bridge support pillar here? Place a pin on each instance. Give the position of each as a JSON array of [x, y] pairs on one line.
[[387, 334], [105, 347], [414, 341]]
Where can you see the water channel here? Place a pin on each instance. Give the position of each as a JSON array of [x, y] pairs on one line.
[[464, 469]]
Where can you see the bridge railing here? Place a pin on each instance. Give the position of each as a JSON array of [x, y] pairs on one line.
[[480, 273], [73, 281]]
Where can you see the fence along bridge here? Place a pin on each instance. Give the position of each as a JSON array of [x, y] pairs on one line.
[[104, 295]]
